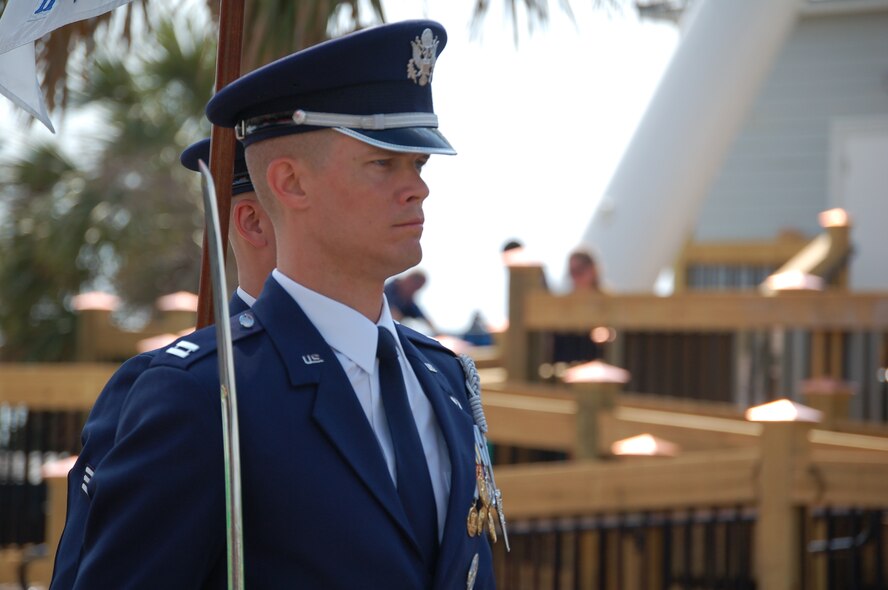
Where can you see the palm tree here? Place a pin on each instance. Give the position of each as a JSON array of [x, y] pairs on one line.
[[276, 28], [30, 270], [124, 215], [67, 225]]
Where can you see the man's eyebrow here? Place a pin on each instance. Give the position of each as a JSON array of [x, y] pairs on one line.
[[373, 150]]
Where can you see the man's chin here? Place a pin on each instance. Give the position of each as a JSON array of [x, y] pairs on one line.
[[409, 261]]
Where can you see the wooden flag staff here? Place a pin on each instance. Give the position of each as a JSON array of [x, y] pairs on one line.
[[228, 62]]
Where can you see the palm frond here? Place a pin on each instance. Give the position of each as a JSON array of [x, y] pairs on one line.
[[537, 13], [275, 28], [55, 51]]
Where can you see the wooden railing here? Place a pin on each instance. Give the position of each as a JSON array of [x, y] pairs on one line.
[[42, 410], [741, 348], [746, 481], [733, 265], [100, 339], [743, 504], [745, 265], [773, 480]]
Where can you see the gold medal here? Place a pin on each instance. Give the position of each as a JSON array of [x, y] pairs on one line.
[[491, 526], [483, 513], [472, 521], [482, 485]]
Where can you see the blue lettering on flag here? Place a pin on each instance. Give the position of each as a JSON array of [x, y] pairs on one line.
[[45, 6]]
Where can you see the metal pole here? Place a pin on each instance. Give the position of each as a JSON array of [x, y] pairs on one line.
[[228, 393]]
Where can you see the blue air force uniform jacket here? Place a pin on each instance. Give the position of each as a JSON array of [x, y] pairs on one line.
[[97, 438], [320, 508]]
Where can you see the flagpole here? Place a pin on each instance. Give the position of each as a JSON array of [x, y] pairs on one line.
[[222, 152], [228, 62]]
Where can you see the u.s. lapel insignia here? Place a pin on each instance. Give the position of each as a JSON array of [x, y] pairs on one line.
[[422, 65], [312, 359]]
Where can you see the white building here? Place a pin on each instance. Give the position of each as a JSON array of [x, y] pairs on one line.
[[771, 112]]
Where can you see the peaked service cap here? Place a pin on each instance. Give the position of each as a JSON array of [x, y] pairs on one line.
[[241, 181], [373, 85]]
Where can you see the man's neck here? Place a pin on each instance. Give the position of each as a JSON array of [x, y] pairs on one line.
[[363, 297]]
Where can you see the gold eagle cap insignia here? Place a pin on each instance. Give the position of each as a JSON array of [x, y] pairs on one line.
[[422, 64]]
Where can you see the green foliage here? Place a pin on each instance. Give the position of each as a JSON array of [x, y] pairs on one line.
[[122, 212], [275, 28], [45, 213]]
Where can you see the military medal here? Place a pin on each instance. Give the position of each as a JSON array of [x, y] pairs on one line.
[[472, 521], [482, 485], [482, 519], [491, 526], [486, 493]]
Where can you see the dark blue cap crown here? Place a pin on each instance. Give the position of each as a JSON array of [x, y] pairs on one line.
[[373, 85], [240, 183]]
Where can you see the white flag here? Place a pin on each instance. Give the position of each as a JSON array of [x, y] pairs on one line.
[[22, 23], [18, 82], [25, 21]]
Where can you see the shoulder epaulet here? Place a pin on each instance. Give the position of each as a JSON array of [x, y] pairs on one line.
[[189, 349], [421, 340]]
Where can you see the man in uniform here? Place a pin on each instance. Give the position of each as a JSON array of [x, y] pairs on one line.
[[359, 451], [252, 240]]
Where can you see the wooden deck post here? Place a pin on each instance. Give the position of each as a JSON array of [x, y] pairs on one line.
[[93, 319], [177, 312], [523, 279], [597, 385], [784, 452], [840, 246], [830, 396]]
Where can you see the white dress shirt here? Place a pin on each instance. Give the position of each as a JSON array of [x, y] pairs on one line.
[[353, 339], [248, 299]]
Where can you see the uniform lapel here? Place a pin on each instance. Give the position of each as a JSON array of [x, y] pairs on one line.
[[337, 412], [237, 305], [456, 426]]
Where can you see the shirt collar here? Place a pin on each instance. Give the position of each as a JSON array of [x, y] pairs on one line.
[[248, 299], [345, 329]]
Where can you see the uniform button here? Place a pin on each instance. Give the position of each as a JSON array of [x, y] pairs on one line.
[[246, 320]]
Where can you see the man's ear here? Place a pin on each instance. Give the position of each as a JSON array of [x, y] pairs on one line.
[[284, 178], [246, 219]]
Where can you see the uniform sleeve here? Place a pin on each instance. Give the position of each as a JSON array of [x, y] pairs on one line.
[[98, 437], [157, 515]]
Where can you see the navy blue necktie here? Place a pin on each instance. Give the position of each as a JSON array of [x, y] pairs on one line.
[[414, 483]]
